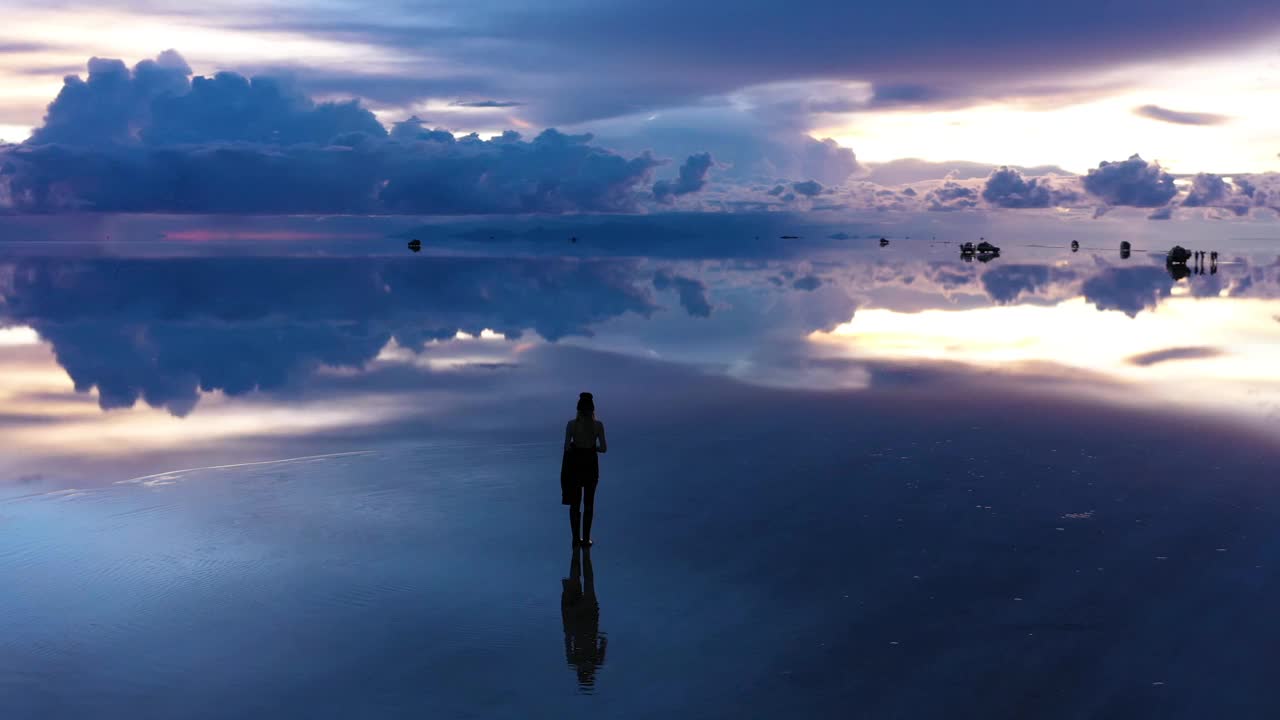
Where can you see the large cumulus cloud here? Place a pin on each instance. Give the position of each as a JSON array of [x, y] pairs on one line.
[[1210, 190], [1007, 188], [156, 140], [1133, 182]]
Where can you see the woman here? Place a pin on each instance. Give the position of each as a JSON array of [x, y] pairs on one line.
[[580, 467]]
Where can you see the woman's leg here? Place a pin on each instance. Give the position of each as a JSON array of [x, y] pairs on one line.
[[575, 515], [589, 506]]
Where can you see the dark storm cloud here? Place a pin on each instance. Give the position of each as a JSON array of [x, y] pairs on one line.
[[692, 292], [1156, 357], [692, 178], [1129, 290], [1155, 112], [1133, 182], [162, 330]]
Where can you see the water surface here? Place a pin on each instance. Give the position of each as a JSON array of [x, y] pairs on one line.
[[842, 479]]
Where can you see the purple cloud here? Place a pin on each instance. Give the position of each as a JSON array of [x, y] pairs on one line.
[[485, 103], [1155, 112], [692, 292], [951, 196], [808, 188], [1006, 188], [1210, 190], [1133, 182], [157, 140], [693, 176]]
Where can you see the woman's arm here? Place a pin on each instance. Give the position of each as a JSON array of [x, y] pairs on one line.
[[603, 444]]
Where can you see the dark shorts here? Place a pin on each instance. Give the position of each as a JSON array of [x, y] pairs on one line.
[[579, 471]]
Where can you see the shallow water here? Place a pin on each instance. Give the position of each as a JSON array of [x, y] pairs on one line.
[[842, 480]]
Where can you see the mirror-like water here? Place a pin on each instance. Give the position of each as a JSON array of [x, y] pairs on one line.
[[842, 479]]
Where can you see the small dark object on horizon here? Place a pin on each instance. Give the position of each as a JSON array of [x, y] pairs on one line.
[[883, 242], [967, 249], [986, 247], [1125, 249], [1075, 246], [415, 245], [1178, 256], [573, 239], [790, 237]]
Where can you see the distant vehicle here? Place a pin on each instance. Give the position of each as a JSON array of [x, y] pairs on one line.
[[883, 242], [967, 249], [1075, 246], [986, 247], [1178, 256], [415, 245], [790, 237], [1125, 249]]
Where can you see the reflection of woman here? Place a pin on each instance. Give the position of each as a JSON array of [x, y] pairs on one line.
[[580, 468], [584, 644]]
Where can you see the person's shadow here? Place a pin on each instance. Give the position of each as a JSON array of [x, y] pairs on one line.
[[584, 644]]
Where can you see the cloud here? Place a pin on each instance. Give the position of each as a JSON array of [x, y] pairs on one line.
[[1129, 290], [1163, 213], [1206, 189], [749, 146], [1007, 189], [808, 283], [1210, 190], [640, 54], [692, 292], [485, 103], [164, 330], [155, 140], [808, 188], [1155, 112], [1156, 357], [826, 161], [912, 170], [1133, 182], [1007, 283], [113, 103], [693, 176], [951, 196]]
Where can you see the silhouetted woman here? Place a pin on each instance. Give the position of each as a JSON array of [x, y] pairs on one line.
[[580, 468]]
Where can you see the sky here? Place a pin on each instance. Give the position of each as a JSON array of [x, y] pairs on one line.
[[120, 107]]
